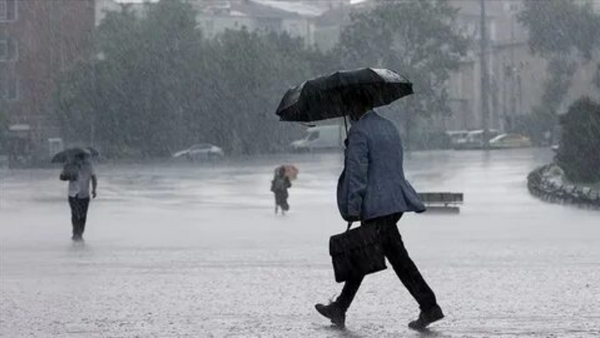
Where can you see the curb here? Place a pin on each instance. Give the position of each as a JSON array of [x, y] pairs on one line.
[[541, 185]]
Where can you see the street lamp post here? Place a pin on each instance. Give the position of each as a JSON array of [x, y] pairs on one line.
[[484, 79]]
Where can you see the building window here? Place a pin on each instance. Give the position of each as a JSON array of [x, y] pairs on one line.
[[472, 30], [511, 6], [209, 26], [9, 50], [13, 89], [294, 29], [8, 10], [3, 50], [9, 89], [492, 31]]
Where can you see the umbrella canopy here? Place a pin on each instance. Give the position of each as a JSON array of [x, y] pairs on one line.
[[329, 96], [69, 154], [290, 171]]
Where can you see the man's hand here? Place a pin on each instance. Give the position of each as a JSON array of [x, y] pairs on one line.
[[94, 185], [352, 219]]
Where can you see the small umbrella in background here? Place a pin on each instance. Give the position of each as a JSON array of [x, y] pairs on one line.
[[291, 171], [328, 96], [69, 154]]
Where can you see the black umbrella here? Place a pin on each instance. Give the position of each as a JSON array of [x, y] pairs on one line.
[[329, 96], [69, 154]]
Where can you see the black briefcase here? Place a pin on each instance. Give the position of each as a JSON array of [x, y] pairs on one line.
[[356, 252]]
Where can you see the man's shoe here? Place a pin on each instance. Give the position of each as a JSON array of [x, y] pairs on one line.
[[426, 318], [334, 313]]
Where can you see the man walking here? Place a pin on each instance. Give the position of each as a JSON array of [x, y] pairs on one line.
[[79, 173], [373, 189]]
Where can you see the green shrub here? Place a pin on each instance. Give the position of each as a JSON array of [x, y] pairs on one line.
[[579, 151]]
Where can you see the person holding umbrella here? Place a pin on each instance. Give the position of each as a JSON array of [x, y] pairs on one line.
[[372, 188], [279, 187], [280, 184], [79, 172]]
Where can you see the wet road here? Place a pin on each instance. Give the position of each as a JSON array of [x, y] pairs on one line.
[[178, 250]]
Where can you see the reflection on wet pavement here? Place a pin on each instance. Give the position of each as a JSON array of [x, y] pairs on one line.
[[177, 250]]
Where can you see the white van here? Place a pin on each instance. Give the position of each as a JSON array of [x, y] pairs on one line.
[[457, 137], [321, 138], [475, 137]]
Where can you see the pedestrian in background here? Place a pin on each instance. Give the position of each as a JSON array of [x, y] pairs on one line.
[[79, 173], [279, 186]]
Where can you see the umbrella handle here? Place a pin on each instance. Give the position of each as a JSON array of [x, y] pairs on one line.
[[346, 125]]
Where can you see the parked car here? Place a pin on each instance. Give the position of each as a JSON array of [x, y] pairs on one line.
[[506, 141], [321, 138], [474, 139], [457, 136], [201, 151]]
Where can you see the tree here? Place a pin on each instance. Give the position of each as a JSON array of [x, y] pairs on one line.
[[578, 153], [252, 70], [160, 86], [416, 38], [544, 116], [566, 34], [145, 93], [561, 27]]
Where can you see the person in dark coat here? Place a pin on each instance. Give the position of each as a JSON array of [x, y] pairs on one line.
[[279, 186], [373, 189]]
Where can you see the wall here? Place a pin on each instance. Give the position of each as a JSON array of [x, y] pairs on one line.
[[52, 36]]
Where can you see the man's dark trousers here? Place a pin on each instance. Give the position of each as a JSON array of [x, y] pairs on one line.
[[79, 210], [396, 253]]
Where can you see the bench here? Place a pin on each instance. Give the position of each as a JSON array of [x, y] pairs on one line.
[[442, 201]]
